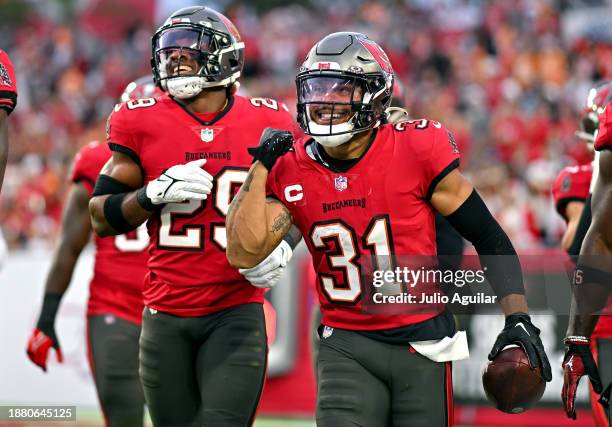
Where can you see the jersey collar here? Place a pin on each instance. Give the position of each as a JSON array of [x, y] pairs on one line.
[[222, 113]]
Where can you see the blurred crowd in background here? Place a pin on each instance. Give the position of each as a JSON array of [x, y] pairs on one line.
[[509, 78]]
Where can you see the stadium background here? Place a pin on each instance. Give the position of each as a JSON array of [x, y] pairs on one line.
[[508, 78]]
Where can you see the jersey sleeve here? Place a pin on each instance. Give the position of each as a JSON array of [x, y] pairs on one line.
[[87, 165], [604, 134], [438, 152], [279, 117], [571, 185], [119, 132]]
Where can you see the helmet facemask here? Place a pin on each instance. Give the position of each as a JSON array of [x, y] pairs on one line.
[[334, 106], [186, 59], [588, 127], [597, 100]]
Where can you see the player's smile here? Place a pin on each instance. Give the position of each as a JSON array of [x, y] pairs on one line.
[[326, 115], [181, 69], [181, 62]]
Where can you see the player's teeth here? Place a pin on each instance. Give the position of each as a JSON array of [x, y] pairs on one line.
[[182, 68]]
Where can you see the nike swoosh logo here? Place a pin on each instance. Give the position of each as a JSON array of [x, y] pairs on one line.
[[522, 326], [437, 125]]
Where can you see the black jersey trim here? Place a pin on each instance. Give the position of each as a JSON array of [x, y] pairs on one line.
[[434, 182], [230, 104], [564, 201], [79, 179], [339, 165], [125, 150]]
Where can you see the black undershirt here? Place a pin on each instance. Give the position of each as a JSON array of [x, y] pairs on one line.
[[338, 165]]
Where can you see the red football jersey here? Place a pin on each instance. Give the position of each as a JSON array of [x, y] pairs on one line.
[[572, 184], [379, 207], [188, 271], [120, 262], [604, 134]]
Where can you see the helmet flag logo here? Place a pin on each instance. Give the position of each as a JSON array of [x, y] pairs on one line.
[[379, 55]]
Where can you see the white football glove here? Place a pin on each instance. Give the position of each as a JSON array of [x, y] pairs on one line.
[[180, 183], [267, 273]]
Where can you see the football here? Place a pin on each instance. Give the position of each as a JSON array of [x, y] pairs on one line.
[[510, 383]]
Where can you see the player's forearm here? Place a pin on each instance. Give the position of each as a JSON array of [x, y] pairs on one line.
[[247, 220], [102, 214], [62, 267], [497, 255], [568, 236], [4, 144], [580, 324]]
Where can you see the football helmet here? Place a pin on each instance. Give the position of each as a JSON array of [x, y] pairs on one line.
[[597, 100], [195, 49], [143, 87], [343, 88], [396, 112]]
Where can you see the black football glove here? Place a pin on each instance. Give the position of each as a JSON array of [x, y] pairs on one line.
[[272, 144], [578, 362], [519, 330]]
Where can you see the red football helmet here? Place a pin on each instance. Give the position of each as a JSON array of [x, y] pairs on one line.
[[143, 87], [597, 100]]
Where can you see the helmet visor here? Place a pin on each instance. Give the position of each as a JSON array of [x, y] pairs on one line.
[[330, 100], [330, 89], [182, 51], [189, 38]]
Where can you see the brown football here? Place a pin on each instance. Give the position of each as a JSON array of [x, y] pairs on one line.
[[510, 383]]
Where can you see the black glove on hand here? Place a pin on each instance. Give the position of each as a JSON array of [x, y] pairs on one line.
[[519, 330], [272, 144]]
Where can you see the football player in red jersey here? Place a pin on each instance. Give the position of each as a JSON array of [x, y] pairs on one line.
[[8, 102], [588, 337], [597, 99], [359, 192], [114, 308], [570, 192], [177, 161]]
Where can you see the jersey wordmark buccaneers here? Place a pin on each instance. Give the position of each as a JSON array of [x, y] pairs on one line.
[[359, 220], [188, 271]]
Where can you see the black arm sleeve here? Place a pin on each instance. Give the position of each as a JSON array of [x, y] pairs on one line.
[[497, 255], [581, 230]]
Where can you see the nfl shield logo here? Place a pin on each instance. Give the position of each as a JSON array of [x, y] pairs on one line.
[[207, 134], [327, 332], [341, 183]]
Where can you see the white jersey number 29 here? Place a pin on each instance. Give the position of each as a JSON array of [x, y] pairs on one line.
[[191, 236]]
